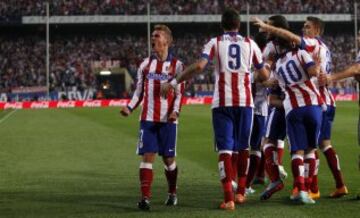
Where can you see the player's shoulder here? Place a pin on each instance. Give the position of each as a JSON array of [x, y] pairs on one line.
[[213, 39], [146, 61], [312, 41]]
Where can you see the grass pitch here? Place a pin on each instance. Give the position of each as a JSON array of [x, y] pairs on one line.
[[82, 163]]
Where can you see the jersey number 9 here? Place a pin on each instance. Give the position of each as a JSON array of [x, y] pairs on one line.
[[234, 53]]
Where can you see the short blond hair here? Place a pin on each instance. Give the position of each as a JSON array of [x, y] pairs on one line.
[[166, 29]]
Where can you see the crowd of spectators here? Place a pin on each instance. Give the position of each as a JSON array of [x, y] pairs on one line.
[[14, 9], [22, 59]]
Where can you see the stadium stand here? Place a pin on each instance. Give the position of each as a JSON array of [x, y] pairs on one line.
[[22, 56], [22, 62], [125, 7]]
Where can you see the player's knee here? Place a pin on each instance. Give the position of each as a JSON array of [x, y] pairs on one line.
[[148, 157], [324, 144], [168, 161]]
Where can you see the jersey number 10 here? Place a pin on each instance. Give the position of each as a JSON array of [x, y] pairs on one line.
[[291, 74]]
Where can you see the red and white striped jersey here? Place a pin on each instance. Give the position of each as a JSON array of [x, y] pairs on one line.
[[300, 90], [317, 49], [234, 57], [151, 74], [270, 50]]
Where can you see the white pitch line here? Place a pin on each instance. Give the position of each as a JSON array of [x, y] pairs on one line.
[[7, 116]]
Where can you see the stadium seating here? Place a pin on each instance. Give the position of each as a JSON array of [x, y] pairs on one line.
[[123, 7]]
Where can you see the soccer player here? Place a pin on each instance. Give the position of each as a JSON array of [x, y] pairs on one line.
[[303, 108], [311, 42], [159, 116], [232, 106], [276, 128], [259, 93]]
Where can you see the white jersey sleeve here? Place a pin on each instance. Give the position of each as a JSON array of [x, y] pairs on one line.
[[269, 50], [209, 50], [139, 90], [305, 59], [257, 58]]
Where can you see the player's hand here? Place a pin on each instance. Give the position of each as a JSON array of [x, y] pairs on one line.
[[323, 79], [258, 22], [125, 111], [271, 83], [165, 89], [173, 116]]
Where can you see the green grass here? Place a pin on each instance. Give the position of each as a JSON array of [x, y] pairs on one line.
[[82, 163]]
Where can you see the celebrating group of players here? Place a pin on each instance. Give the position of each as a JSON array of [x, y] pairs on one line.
[[264, 92]]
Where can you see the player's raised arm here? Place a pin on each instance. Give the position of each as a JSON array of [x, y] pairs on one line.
[[283, 33], [187, 74], [192, 70]]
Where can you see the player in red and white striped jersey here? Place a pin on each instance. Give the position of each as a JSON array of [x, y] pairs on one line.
[[158, 120], [151, 73], [303, 108], [232, 108], [311, 42], [276, 127]]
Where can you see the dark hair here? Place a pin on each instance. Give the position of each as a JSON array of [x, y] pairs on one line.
[[230, 19], [283, 43], [279, 21], [261, 39], [318, 23]]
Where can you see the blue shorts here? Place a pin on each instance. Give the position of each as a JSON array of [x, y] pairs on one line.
[[232, 127], [326, 125], [276, 124], [257, 132], [155, 137], [303, 127]]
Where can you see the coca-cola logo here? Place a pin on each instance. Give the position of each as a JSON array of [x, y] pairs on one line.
[[44, 104], [195, 101], [344, 97], [66, 104], [92, 104], [118, 103], [17, 105]]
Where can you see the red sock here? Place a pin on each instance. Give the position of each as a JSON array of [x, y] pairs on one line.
[[297, 166], [280, 151], [314, 187], [146, 178], [234, 161], [171, 177], [225, 169], [243, 167], [255, 159], [334, 165], [270, 166], [261, 171], [309, 164]]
